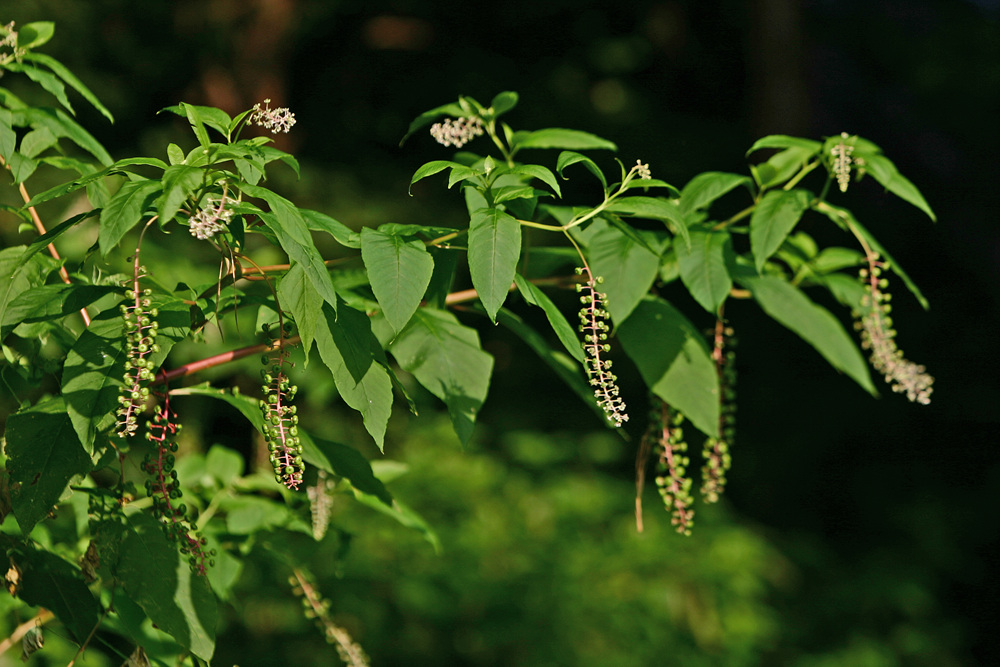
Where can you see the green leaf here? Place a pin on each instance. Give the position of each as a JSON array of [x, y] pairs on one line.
[[92, 378], [349, 350], [785, 141], [447, 359], [320, 222], [788, 306], [628, 270], [63, 73], [92, 374], [246, 515], [290, 228], [705, 188], [567, 335], [301, 299], [781, 166], [426, 118], [180, 182], [158, 580], [773, 219], [567, 158], [431, 168], [124, 212], [885, 172], [494, 249], [846, 220], [503, 102], [347, 462], [61, 125], [18, 275], [674, 361], [49, 581], [35, 34], [557, 137], [48, 302], [652, 208], [399, 271], [703, 267], [50, 82], [44, 453], [537, 171]]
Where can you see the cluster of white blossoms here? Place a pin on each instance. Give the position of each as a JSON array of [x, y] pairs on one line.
[[457, 131], [275, 120], [10, 41], [211, 218], [642, 170], [843, 161]]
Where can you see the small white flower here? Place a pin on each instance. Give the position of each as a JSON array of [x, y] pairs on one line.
[[642, 170], [457, 132], [275, 120], [211, 219]]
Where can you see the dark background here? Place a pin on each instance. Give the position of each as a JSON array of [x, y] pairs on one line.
[[886, 509]]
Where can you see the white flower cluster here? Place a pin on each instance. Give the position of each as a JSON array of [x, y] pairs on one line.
[[10, 41], [842, 161], [275, 120], [457, 132], [211, 219], [642, 170]]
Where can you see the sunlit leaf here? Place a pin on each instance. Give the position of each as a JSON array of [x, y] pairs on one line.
[[494, 248]]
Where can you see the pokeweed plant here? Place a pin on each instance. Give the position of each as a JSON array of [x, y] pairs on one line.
[[89, 356]]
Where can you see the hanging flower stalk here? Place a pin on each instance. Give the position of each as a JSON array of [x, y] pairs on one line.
[[594, 327], [280, 420], [716, 451]]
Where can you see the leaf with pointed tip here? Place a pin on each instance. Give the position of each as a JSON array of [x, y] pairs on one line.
[[124, 212], [158, 580], [628, 271], [785, 141], [773, 219], [349, 350], [884, 171], [49, 302], [566, 334], [788, 306], [303, 301], [674, 361], [494, 249], [49, 581], [558, 137], [43, 453], [399, 271], [567, 158], [289, 226], [446, 358], [179, 183], [705, 188], [703, 267]]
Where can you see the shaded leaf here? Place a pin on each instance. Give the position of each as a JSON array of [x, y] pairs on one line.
[[178, 602], [567, 334], [446, 358], [705, 188], [788, 306], [49, 581], [303, 301], [703, 267], [628, 271], [773, 219], [44, 453], [674, 361]]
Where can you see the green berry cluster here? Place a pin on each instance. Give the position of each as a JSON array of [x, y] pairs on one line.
[[674, 485], [281, 429], [715, 453], [595, 344], [874, 321], [166, 493], [141, 330]]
